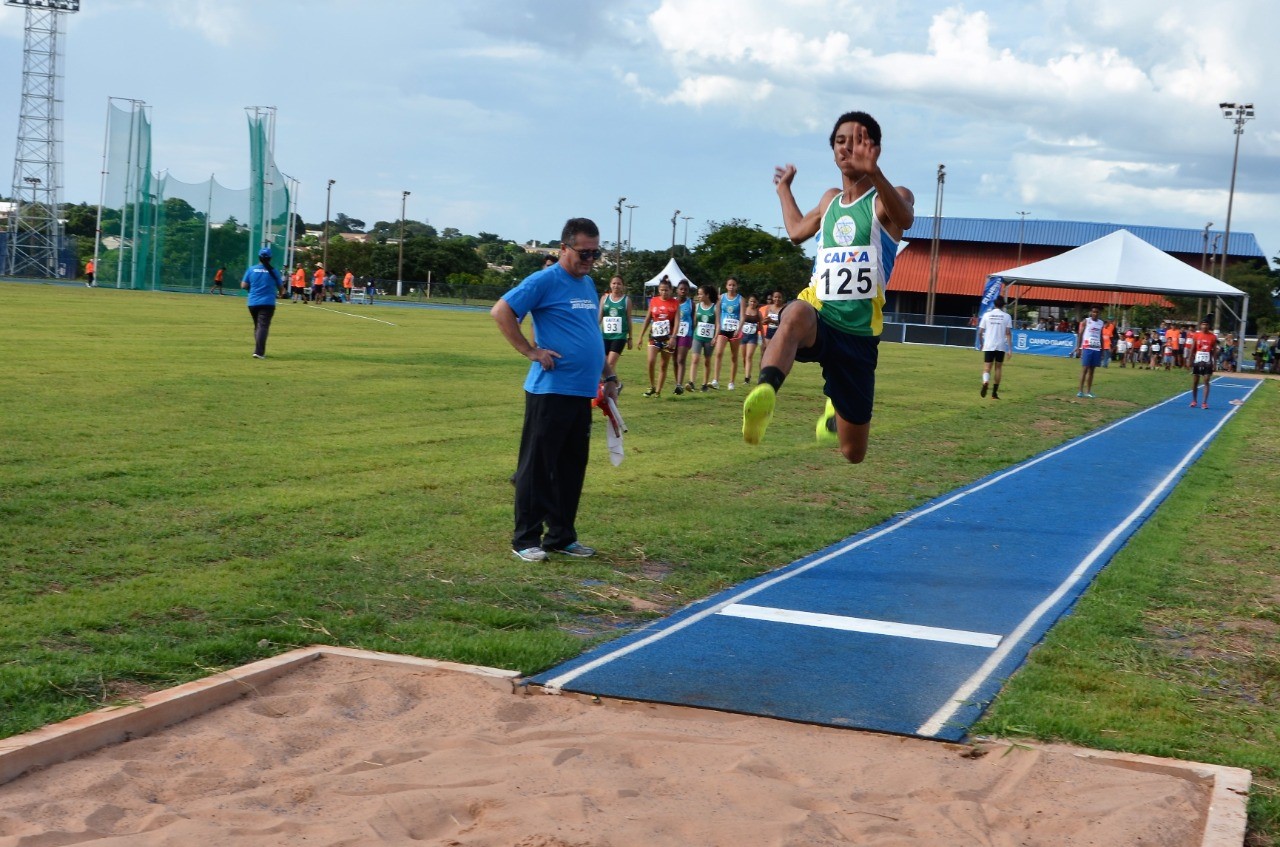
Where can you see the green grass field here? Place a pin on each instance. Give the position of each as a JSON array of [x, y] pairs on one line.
[[170, 506]]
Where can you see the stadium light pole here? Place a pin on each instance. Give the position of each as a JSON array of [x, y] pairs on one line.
[[404, 197], [618, 245], [324, 248], [673, 232], [686, 219], [1204, 261], [1240, 113], [1022, 222], [933, 249]]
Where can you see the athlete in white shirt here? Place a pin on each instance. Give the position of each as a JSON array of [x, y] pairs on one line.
[[1089, 348], [995, 338]]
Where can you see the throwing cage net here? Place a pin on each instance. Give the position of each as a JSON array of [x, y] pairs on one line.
[[157, 232]]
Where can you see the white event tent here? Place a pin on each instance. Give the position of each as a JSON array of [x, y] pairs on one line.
[[671, 271], [1122, 261]]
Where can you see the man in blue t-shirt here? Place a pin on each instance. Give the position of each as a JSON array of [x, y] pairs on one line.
[[568, 366], [263, 284]]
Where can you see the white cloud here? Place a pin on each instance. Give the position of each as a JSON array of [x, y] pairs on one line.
[[1122, 190], [704, 90], [218, 21]]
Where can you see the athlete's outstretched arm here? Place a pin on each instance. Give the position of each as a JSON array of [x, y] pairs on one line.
[[800, 226]]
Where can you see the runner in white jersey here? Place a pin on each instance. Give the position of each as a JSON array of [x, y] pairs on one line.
[[837, 320], [1089, 347], [995, 339]]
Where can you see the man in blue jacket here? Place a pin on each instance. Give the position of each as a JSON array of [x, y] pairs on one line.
[[568, 369], [263, 284]]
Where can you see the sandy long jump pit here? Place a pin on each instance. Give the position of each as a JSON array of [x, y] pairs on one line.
[[329, 746]]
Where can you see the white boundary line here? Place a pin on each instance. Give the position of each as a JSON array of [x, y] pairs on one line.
[[570, 675], [350, 314], [935, 724], [866, 625]]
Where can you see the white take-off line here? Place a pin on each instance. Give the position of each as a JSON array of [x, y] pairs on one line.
[[863, 625], [962, 694], [350, 314], [569, 676]]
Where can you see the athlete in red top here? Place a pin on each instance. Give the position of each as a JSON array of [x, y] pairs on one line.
[[1204, 344], [664, 311]]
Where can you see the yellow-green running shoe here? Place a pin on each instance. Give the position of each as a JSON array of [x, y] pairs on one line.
[[826, 429], [757, 411]]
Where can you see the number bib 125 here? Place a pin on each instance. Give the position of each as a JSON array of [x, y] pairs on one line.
[[847, 273]]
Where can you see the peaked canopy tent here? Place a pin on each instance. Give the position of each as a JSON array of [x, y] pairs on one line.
[[671, 271], [1122, 261]]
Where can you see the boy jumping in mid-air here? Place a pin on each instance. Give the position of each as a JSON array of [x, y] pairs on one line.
[[837, 320]]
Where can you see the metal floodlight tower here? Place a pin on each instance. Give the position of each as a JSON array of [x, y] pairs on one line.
[[1238, 113], [35, 231]]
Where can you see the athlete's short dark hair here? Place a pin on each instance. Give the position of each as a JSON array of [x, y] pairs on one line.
[[873, 128], [578, 226]]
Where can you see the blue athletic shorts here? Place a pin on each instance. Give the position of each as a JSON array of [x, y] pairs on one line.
[[1091, 357], [849, 368]]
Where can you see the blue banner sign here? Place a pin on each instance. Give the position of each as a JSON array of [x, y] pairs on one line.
[[990, 291], [1044, 343]]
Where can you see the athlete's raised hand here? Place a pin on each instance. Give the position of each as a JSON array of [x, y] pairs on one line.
[[783, 175]]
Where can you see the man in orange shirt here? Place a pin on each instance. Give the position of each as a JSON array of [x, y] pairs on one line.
[[317, 284], [347, 282], [217, 281], [299, 283], [1172, 343], [1108, 338], [88, 274], [1204, 344], [661, 322]]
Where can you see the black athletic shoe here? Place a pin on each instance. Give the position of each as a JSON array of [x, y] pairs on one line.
[[679, 389], [983, 392]]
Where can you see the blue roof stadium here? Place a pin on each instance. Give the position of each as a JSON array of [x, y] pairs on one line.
[[1074, 233]]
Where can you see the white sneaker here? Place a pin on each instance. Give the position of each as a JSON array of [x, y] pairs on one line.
[[715, 383], [530, 554], [731, 386]]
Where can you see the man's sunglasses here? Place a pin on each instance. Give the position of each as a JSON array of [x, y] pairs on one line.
[[589, 255]]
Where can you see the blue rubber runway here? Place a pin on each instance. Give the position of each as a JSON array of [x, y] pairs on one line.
[[911, 627]]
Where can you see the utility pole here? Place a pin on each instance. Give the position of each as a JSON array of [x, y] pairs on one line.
[[673, 233], [686, 219], [933, 249], [631, 217], [1022, 222], [618, 245], [404, 196], [324, 248]]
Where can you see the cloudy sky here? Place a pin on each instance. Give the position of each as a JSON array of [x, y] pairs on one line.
[[510, 116]]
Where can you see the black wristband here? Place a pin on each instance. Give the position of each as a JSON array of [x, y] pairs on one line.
[[610, 378]]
